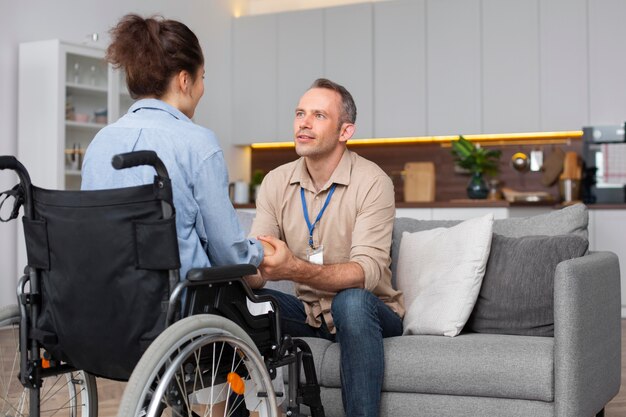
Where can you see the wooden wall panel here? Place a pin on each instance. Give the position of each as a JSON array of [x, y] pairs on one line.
[[449, 184]]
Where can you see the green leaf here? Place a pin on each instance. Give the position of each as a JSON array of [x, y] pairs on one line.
[[475, 158]]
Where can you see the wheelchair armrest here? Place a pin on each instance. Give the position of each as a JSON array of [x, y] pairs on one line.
[[220, 272]]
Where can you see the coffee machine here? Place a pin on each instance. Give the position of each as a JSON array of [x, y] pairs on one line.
[[604, 155]]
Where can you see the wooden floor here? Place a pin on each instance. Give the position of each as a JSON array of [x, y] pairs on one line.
[[110, 392]]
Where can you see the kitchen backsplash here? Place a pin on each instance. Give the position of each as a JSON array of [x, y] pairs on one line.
[[449, 184]]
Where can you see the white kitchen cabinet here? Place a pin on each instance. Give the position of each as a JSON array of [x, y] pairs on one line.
[[436, 67], [607, 62], [454, 67], [300, 62], [510, 66], [400, 69], [67, 93], [348, 58], [254, 79], [607, 232], [563, 64]]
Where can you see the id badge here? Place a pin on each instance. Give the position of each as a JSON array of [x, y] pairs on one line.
[[316, 256]]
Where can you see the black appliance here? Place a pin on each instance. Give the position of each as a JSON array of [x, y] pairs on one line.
[[597, 184]]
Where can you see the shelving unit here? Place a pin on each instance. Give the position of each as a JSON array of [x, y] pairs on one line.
[[67, 93], [58, 82]]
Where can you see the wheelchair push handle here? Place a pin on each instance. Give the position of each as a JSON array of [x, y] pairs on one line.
[[9, 162], [22, 191], [138, 158]]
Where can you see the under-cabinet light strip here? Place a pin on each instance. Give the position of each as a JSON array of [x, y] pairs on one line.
[[499, 138]]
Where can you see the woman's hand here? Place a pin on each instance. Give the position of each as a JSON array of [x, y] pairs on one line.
[[279, 262]]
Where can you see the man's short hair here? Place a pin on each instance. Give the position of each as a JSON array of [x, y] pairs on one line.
[[348, 114]]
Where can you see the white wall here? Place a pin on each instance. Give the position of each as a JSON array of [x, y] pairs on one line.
[[72, 20], [8, 146], [22, 21]]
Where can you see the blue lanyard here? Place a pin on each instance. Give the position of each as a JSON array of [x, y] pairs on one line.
[[319, 215]]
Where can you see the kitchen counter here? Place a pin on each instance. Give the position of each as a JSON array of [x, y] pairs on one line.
[[606, 206], [466, 203]]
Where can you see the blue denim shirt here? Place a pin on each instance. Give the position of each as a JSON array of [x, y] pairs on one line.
[[206, 223]]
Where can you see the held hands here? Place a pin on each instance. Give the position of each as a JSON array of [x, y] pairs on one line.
[[278, 261], [268, 249], [257, 280]]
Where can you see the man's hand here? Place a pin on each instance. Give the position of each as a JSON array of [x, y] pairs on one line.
[[279, 262], [268, 249], [284, 265], [256, 281]]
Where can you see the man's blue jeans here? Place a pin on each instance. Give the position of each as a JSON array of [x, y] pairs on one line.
[[362, 321]]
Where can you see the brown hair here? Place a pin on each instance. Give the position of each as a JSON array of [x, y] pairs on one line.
[[151, 51], [348, 114]]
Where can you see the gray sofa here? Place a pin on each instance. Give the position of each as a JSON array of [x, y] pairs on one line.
[[574, 373]]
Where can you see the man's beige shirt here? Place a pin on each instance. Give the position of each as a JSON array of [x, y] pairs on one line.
[[356, 226]]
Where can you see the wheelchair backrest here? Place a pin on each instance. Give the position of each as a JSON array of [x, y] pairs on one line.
[[102, 260]]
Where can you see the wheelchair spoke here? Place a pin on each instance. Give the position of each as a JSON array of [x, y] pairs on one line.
[[56, 390], [58, 386], [65, 395], [198, 370], [214, 369], [189, 384], [19, 408]]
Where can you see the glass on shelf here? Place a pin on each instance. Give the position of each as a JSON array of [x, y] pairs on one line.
[[92, 75], [76, 73], [83, 71], [96, 77]]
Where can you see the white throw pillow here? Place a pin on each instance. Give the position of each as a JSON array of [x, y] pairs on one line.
[[440, 272]]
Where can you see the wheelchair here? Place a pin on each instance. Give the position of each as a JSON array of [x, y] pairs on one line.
[[101, 297]]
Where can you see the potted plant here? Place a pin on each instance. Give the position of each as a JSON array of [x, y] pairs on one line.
[[255, 182], [478, 161]]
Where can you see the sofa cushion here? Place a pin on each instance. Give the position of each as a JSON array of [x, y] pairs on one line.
[[440, 272], [471, 364], [517, 293], [569, 220]]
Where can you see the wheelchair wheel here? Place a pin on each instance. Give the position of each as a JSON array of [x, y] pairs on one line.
[[72, 394], [196, 367]]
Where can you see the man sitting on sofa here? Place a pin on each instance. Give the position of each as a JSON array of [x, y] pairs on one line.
[[329, 216]]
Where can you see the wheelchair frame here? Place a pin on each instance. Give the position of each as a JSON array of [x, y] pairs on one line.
[[215, 291]]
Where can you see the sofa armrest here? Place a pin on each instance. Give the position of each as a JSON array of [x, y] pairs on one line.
[[587, 334]]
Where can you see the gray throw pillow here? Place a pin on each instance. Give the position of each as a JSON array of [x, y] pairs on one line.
[[517, 293], [569, 220]]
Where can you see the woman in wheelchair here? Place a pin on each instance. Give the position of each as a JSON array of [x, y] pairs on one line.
[[102, 293], [164, 68]]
